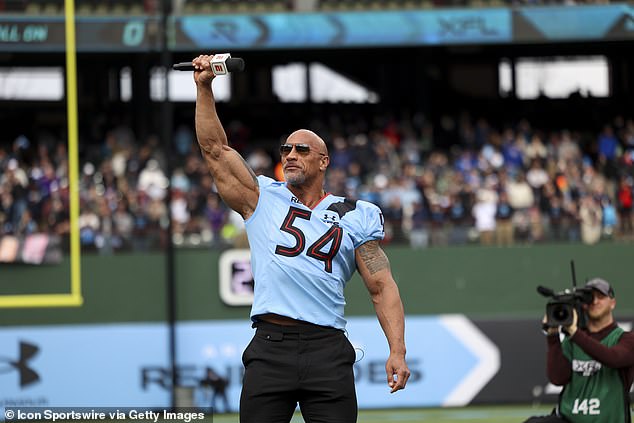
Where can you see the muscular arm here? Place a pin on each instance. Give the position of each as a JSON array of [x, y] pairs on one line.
[[374, 268], [235, 180]]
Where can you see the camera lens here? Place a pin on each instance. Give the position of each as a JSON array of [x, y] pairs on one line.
[[560, 314]]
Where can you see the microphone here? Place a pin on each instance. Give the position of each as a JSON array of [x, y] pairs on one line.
[[221, 64], [546, 292]]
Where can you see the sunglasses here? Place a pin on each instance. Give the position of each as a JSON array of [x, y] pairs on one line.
[[302, 149]]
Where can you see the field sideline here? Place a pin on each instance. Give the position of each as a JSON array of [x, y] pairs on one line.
[[472, 414]]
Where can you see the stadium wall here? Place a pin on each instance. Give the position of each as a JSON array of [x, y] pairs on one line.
[[476, 281]]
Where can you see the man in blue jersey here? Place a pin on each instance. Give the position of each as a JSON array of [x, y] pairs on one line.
[[305, 245]]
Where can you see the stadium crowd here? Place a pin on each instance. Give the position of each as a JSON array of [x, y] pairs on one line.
[[458, 181]]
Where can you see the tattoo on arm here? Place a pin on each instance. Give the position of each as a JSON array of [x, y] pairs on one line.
[[251, 172], [373, 257]]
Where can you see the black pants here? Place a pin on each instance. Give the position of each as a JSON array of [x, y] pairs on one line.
[[306, 364]]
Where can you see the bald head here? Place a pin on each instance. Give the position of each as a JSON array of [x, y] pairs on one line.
[[305, 169], [306, 136]]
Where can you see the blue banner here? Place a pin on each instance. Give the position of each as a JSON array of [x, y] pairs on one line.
[[82, 365], [126, 365], [592, 22], [404, 28], [344, 29], [377, 28]]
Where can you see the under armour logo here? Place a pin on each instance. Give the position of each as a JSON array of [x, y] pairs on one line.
[[27, 375], [330, 218]]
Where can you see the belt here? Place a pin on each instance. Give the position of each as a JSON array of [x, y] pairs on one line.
[[276, 319], [263, 326]]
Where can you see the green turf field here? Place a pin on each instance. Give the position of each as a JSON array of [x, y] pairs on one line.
[[473, 414]]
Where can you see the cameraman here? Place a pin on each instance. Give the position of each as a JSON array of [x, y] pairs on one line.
[[595, 365]]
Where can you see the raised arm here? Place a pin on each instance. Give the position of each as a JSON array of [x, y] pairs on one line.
[[235, 180], [374, 268]]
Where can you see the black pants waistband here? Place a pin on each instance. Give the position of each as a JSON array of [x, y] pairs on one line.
[[300, 327]]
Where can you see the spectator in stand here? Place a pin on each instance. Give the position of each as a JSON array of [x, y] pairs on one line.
[[336, 182], [535, 150], [15, 201], [123, 224], [536, 224], [179, 212], [556, 216], [419, 234], [458, 212], [387, 157], [89, 225], [609, 217], [216, 213], [521, 199], [625, 196], [627, 159], [152, 180], [393, 214], [520, 193], [608, 145], [260, 161], [183, 141], [537, 177], [568, 148], [504, 231], [512, 147], [26, 225], [438, 231], [340, 156], [572, 220], [484, 214], [354, 180]]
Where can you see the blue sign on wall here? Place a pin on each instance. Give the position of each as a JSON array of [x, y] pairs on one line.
[[345, 29], [592, 22], [82, 365], [126, 365]]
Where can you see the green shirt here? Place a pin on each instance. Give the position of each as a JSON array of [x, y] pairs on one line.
[[595, 392]]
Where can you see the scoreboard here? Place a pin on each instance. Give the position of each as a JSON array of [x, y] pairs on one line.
[[108, 34]]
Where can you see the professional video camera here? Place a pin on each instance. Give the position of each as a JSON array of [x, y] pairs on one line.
[[559, 310]]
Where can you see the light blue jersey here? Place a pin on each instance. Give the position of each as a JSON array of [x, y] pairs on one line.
[[302, 258]]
